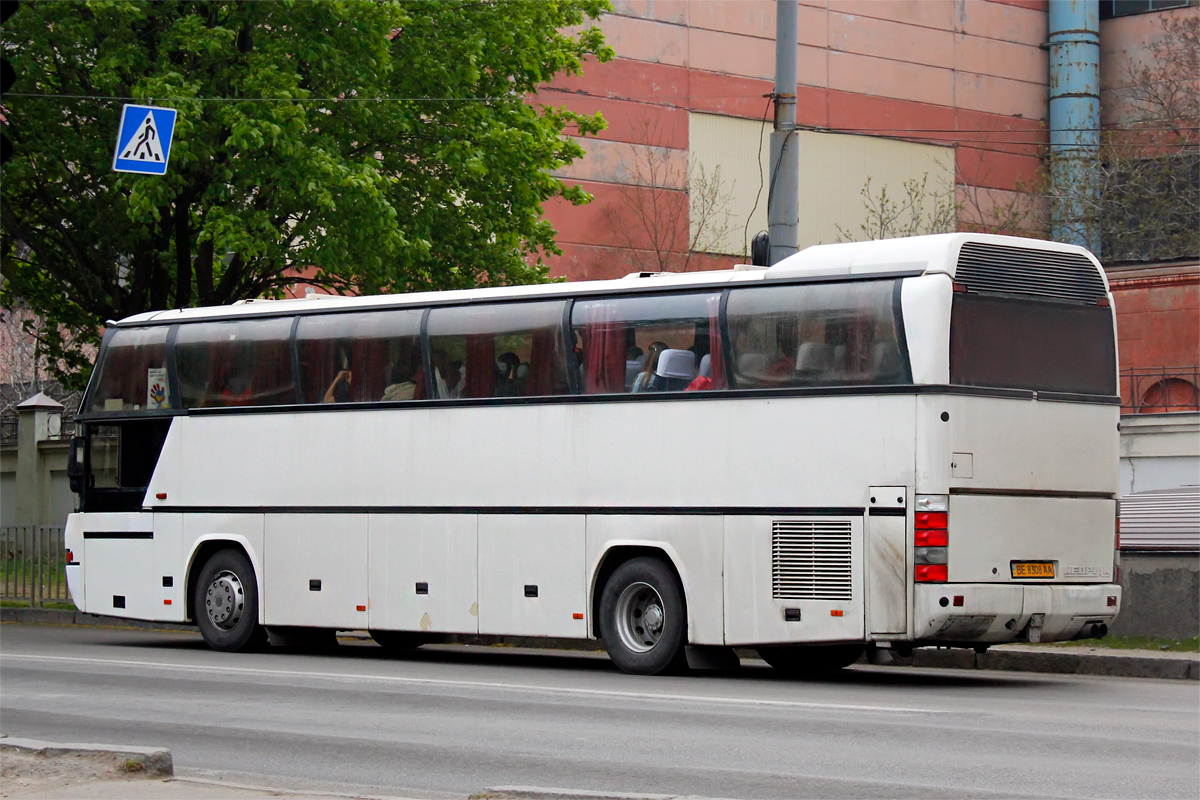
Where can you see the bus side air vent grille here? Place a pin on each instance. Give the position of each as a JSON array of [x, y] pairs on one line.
[[810, 559], [999, 269]]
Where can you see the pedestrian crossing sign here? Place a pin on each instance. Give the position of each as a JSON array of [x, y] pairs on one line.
[[144, 140]]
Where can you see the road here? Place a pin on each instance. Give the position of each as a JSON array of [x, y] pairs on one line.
[[447, 722]]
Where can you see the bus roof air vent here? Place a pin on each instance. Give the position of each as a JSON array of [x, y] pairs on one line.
[[988, 268], [636, 275]]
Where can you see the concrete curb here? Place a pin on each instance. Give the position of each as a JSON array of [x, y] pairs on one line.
[[1113, 664], [154, 761], [1008, 658], [549, 793], [54, 616]]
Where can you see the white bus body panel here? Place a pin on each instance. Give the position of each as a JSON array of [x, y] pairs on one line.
[[1017, 444], [540, 551], [754, 615], [438, 550], [741, 452], [122, 558], [886, 553], [670, 457], [316, 570], [988, 533]]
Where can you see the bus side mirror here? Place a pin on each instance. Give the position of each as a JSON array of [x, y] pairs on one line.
[[75, 469]]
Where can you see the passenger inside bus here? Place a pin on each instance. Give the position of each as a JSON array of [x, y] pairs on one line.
[[644, 378], [339, 390]]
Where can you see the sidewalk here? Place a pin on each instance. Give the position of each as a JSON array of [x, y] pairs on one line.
[[1049, 658]]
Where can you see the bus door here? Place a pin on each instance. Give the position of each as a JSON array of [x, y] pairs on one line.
[[887, 578]]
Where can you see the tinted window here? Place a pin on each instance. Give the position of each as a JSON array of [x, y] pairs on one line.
[[649, 343], [509, 350], [239, 363], [364, 357], [132, 375], [1024, 344], [832, 334]]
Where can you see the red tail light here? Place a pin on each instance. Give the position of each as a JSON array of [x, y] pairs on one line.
[[931, 538], [930, 573], [930, 519]]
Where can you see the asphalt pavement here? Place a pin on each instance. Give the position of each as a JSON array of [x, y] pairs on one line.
[[450, 721]]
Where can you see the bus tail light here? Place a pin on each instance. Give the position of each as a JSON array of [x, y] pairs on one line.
[[931, 538], [930, 573]]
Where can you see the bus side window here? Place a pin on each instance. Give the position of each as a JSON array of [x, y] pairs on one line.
[[828, 334], [360, 357], [623, 341], [236, 363], [498, 350]]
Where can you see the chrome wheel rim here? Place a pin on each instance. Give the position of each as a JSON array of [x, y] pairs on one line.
[[640, 617], [225, 600]]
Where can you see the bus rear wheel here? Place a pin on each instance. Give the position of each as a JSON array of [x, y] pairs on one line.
[[643, 618], [806, 661], [226, 602]]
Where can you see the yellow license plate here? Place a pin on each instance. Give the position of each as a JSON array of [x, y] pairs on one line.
[[1033, 569]]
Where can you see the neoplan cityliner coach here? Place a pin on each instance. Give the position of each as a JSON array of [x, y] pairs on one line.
[[889, 444]]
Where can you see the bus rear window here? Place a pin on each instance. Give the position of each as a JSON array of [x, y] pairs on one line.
[[1026, 344]]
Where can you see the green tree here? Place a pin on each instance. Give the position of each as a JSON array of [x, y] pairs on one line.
[[389, 146]]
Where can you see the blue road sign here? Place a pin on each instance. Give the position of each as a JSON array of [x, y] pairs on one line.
[[144, 140]]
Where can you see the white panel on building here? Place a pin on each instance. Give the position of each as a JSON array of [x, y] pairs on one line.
[[834, 170]]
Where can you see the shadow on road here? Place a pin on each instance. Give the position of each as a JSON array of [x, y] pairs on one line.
[[590, 661]]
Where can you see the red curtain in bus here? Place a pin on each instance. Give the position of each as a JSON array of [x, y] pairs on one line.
[[716, 354], [603, 350], [541, 364], [481, 365]]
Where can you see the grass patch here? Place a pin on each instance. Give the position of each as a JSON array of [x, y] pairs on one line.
[[56, 605], [1191, 645], [132, 766]]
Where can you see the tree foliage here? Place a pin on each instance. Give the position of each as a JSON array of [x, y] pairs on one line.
[[1143, 194], [381, 146]]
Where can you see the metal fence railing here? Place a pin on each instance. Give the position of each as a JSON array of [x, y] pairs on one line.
[[32, 564], [1149, 390]]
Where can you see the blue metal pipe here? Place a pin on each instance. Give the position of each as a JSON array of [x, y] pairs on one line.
[[1075, 119]]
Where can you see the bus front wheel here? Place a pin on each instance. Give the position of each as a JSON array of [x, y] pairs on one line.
[[807, 661], [226, 603], [643, 618]]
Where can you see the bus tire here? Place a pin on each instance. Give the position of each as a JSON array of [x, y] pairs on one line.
[[226, 603], [643, 618], [398, 640], [806, 661]]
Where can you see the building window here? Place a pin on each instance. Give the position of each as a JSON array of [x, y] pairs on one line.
[[1124, 8]]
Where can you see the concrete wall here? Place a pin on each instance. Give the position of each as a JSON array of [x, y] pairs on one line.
[[1161, 595], [34, 488], [1159, 451]]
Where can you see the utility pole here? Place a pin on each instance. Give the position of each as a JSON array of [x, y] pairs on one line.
[[783, 199]]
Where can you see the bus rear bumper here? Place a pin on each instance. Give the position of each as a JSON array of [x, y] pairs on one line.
[[982, 613]]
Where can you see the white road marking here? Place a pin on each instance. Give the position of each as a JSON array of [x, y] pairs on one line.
[[460, 684]]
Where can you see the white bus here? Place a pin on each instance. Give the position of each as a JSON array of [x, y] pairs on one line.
[[890, 444]]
